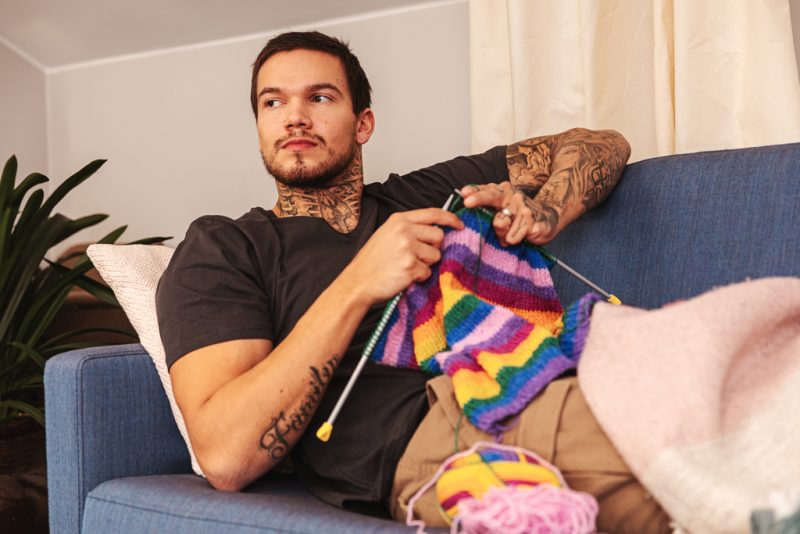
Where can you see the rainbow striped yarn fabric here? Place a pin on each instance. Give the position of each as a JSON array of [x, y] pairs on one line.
[[489, 317]]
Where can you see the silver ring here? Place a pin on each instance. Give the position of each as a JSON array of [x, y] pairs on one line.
[[507, 212]]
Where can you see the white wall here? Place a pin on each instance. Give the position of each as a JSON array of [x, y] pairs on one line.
[[179, 134], [22, 113]]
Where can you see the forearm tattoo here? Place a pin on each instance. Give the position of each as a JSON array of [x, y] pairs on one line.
[[283, 430], [569, 172]]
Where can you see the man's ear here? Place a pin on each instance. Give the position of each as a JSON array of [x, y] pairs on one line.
[[365, 125]]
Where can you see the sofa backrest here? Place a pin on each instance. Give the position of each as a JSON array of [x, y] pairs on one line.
[[679, 225]]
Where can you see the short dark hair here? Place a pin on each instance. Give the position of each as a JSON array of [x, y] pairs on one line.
[[357, 81]]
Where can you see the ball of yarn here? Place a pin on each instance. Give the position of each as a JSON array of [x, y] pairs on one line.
[[502, 489], [543, 509], [472, 474]]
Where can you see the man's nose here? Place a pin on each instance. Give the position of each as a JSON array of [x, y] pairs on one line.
[[297, 116]]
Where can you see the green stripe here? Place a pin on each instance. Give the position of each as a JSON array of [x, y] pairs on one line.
[[460, 311]]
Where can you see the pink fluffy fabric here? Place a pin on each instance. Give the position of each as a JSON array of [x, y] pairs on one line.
[[701, 398]]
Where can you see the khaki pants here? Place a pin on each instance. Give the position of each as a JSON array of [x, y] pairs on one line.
[[558, 426]]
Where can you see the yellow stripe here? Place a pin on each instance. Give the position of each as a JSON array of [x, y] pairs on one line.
[[493, 362], [533, 473], [429, 337], [470, 384]]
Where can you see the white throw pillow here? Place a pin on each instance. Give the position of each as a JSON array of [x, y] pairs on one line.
[[132, 272]]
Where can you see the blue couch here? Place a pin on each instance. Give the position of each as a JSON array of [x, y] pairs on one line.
[[675, 227]]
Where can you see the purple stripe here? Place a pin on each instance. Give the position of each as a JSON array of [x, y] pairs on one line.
[[540, 283], [500, 294], [525, 265]]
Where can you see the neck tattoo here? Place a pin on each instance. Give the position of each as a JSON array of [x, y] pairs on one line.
[[339, 203]]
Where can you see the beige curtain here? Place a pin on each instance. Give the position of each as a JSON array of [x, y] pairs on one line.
[[672, 75]]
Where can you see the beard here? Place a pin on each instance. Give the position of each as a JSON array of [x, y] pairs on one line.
[[300, 174]]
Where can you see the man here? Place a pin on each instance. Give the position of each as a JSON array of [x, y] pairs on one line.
[[264, 317]]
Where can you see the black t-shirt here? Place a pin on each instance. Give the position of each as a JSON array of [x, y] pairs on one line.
[[254, 277]]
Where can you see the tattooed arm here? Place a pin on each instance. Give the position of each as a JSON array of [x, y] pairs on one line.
[[247, 402], [553, 180]]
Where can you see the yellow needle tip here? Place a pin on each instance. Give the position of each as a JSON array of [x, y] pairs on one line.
[[614, 300], [324, 432]]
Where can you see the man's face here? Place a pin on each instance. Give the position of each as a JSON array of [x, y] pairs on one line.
[[308, 133]]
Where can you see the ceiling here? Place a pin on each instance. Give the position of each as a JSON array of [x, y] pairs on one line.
[[56, 33]]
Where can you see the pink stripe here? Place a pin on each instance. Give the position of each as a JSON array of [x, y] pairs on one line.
[[497, 258], [394, 339], [487, 328]]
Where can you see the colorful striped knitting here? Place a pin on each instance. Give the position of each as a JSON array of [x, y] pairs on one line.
[[490, 318]]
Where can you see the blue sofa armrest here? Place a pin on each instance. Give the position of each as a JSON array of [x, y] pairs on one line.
[[107, 416]]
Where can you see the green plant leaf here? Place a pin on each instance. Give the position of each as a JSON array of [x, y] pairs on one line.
[[30, 181], [7, 261], [150, 241], [111, 237], [58, 349], [45, 308], [98, 290], [7, 181], [75, 226], [6, 227], [23, 407], [34, 355], [47, 345], [23, 269], [69, 184]]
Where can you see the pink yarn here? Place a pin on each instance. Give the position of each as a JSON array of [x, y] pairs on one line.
[[543, 509]]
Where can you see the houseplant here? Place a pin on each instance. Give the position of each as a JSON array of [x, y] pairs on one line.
[[30, 296], [32, 290]]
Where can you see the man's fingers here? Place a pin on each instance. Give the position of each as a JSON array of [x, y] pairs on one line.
[[502, 224], [432, 235], [422, 273], [436, 216], [490, 195], [427, 254]]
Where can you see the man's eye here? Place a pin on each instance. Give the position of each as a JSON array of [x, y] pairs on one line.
[[321, 98], [272, 103]]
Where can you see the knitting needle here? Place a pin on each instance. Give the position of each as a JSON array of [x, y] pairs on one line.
[[613, 299], [324, 431]]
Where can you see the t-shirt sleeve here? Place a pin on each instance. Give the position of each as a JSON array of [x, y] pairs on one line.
[[212, 290], [430, 187]]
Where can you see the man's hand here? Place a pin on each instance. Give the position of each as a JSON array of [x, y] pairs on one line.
[[518, 216], [399, 253], [554, 179]]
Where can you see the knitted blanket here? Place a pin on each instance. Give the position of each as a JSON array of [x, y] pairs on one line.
[[702, 399], [488, 317]]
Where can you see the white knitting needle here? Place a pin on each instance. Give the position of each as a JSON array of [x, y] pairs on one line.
[[324, 431]]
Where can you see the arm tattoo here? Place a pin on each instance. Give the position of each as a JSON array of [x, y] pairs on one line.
[[283, 429], [529, 162], [568, 172]]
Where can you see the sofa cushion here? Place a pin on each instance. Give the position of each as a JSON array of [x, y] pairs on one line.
[[133, 272], [186, 503]]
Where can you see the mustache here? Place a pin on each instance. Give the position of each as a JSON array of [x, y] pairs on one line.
[[303, 135]]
